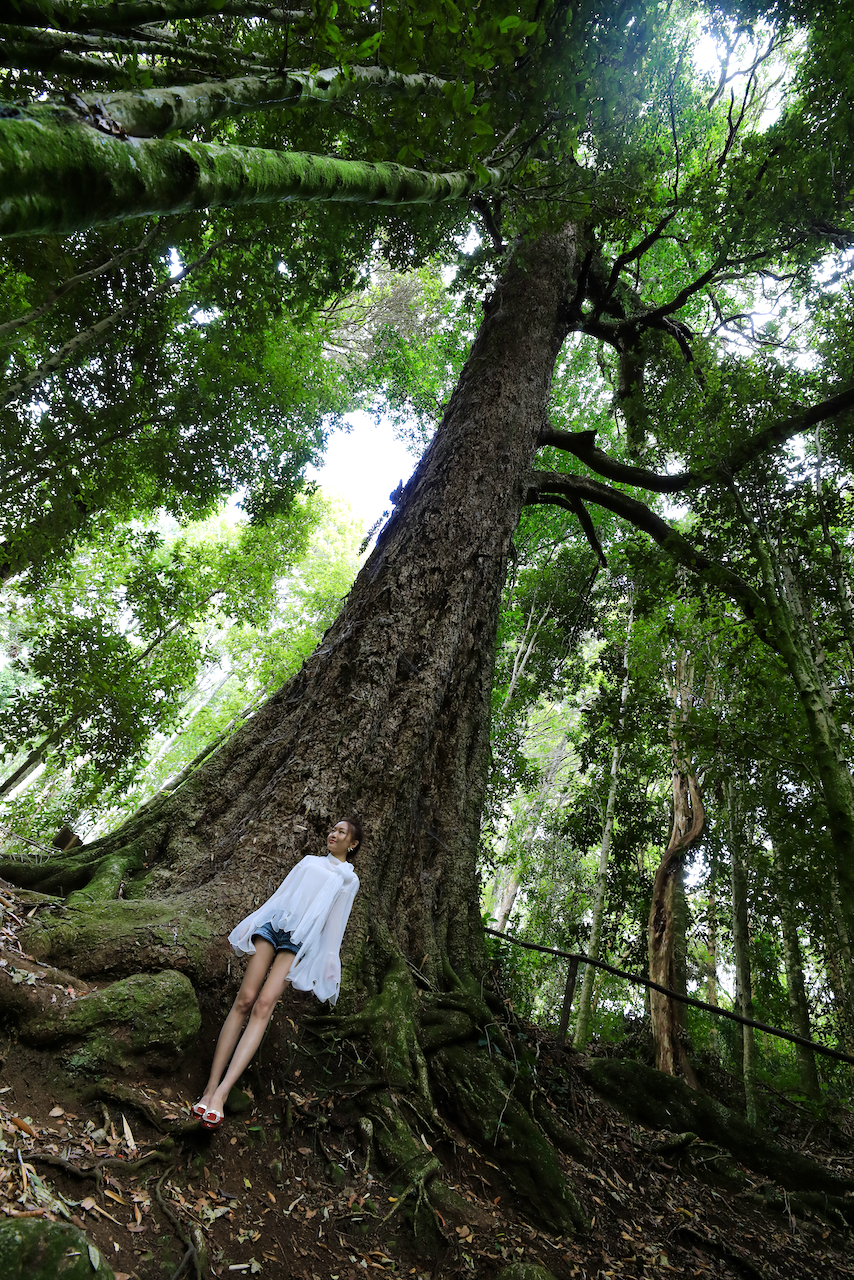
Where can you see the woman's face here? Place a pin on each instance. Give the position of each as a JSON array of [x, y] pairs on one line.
[[339, 840]]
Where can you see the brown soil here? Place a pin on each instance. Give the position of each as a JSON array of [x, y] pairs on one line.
[[286, 1189]]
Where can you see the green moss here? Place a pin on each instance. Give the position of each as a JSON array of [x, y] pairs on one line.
[[105, 936], [150, 1017], [32, 1249], [106, 881], [388, 1021], [486, 1109]]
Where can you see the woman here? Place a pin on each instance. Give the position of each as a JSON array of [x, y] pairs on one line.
[[294, 937]]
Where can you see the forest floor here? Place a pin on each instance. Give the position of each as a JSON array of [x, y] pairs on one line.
[[286, 1190]]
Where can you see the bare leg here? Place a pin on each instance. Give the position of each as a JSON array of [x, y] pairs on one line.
[[253, 979], [259, 1018]]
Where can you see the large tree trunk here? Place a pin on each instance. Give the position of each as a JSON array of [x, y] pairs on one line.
[[390, 718]]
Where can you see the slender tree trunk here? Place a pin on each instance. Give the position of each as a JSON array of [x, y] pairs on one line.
[[798, 1002], [689, 820], [840, 964], [842, 1005], [582, 1024], [711, 963], [741, 944], [792, 641]]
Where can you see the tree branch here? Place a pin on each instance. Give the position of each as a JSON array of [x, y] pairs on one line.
[[36, 314], [37, 376], [582, 445], [58, 175], [66, 15], [636, 513], [50, 49], [573, 504], [149, 113]]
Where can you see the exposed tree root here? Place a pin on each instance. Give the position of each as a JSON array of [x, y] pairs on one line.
[[484, 1106], [196, 1250], [435, 1054], [146, 1020], [661, 1101]]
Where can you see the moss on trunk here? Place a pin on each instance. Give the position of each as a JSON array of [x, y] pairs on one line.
[[484, 1107]]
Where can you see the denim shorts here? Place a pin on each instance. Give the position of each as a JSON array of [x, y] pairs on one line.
[[280, 938]]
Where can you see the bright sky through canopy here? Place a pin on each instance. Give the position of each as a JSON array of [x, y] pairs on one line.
[[364, 465]]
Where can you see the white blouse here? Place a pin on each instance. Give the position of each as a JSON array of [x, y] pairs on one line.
[[313, 903]]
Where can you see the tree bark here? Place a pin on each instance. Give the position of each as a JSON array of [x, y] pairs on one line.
[[390, 718], [150, 113], [797, 993]]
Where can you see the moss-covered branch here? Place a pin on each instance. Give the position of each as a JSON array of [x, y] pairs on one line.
[[60, 175], [67, 15], [82, 55], [148, 113]]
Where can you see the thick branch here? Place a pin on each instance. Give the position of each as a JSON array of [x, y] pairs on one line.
[[676, 546], [65, 15], [26, 55], [582, 445], [58, 175], [28, 48], [578, 509], [148, 113]]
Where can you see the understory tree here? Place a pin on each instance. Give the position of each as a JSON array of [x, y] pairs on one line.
[[629, 207]]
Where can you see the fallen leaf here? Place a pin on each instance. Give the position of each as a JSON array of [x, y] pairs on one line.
[[113, 1196], [22, 1124], [94, 1257], [129, 1138], [304, 1151], [57, 1111]]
